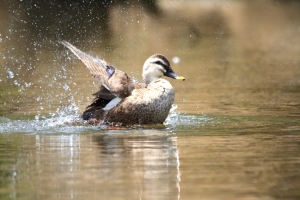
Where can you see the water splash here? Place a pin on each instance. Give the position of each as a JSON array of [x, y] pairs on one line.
[[10, 74], [176, 120], [65, 120], [66, 87], [173, 116]]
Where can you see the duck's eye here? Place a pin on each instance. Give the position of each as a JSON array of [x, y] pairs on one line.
[[168, 69]]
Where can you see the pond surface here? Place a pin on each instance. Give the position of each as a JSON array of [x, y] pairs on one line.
[[233, 131]]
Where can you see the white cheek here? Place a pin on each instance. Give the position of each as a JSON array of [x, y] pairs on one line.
[[155, 72]]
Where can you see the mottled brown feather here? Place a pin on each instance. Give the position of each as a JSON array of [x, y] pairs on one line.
[[150, 105], [102, 98]]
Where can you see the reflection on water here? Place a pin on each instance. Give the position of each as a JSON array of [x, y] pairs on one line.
[[233, 133], [149, 164], [93, 166]]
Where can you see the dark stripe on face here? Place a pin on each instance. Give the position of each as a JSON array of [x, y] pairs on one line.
[[163, 58], [162, 64]]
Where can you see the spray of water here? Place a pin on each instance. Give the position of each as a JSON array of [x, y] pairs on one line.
[[176, 120], [65, 120]]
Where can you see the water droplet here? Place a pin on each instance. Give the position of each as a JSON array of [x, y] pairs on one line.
[[175, 60], [15, 82], [66, 87], [28, 84], [10, 74]]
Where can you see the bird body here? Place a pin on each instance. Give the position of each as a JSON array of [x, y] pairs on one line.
[[149, 105], [120, 101]]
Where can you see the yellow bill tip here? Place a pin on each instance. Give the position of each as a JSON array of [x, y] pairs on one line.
[[180, 78]]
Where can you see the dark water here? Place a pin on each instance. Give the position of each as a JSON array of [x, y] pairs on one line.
[[233, 132]]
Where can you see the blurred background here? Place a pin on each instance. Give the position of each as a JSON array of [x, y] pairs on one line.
[[234, 134], [238, 57]]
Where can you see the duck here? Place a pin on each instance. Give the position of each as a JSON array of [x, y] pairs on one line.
[[121, 101]]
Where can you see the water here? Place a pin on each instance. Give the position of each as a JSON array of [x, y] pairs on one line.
[[232, 133], [217, 156]]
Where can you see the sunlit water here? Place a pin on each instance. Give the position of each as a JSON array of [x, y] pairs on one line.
[[60, 157], [68, 120], [233, 131]]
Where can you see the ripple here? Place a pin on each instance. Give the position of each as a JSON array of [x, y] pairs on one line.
[[67, 120]]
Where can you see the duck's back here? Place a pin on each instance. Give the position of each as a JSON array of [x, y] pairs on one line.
[[150, 105]]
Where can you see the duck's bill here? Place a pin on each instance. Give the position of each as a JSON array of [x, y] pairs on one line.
[[180, 78], [173, 75]]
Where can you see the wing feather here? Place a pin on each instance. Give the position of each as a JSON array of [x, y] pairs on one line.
[[96, 66], [114, 80]]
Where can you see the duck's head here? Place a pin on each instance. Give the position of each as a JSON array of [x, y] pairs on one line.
[[157, 66]]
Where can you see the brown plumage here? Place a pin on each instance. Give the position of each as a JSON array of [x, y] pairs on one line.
[[120, 100]]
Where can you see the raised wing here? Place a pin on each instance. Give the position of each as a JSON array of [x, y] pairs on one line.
[[114, 80]]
